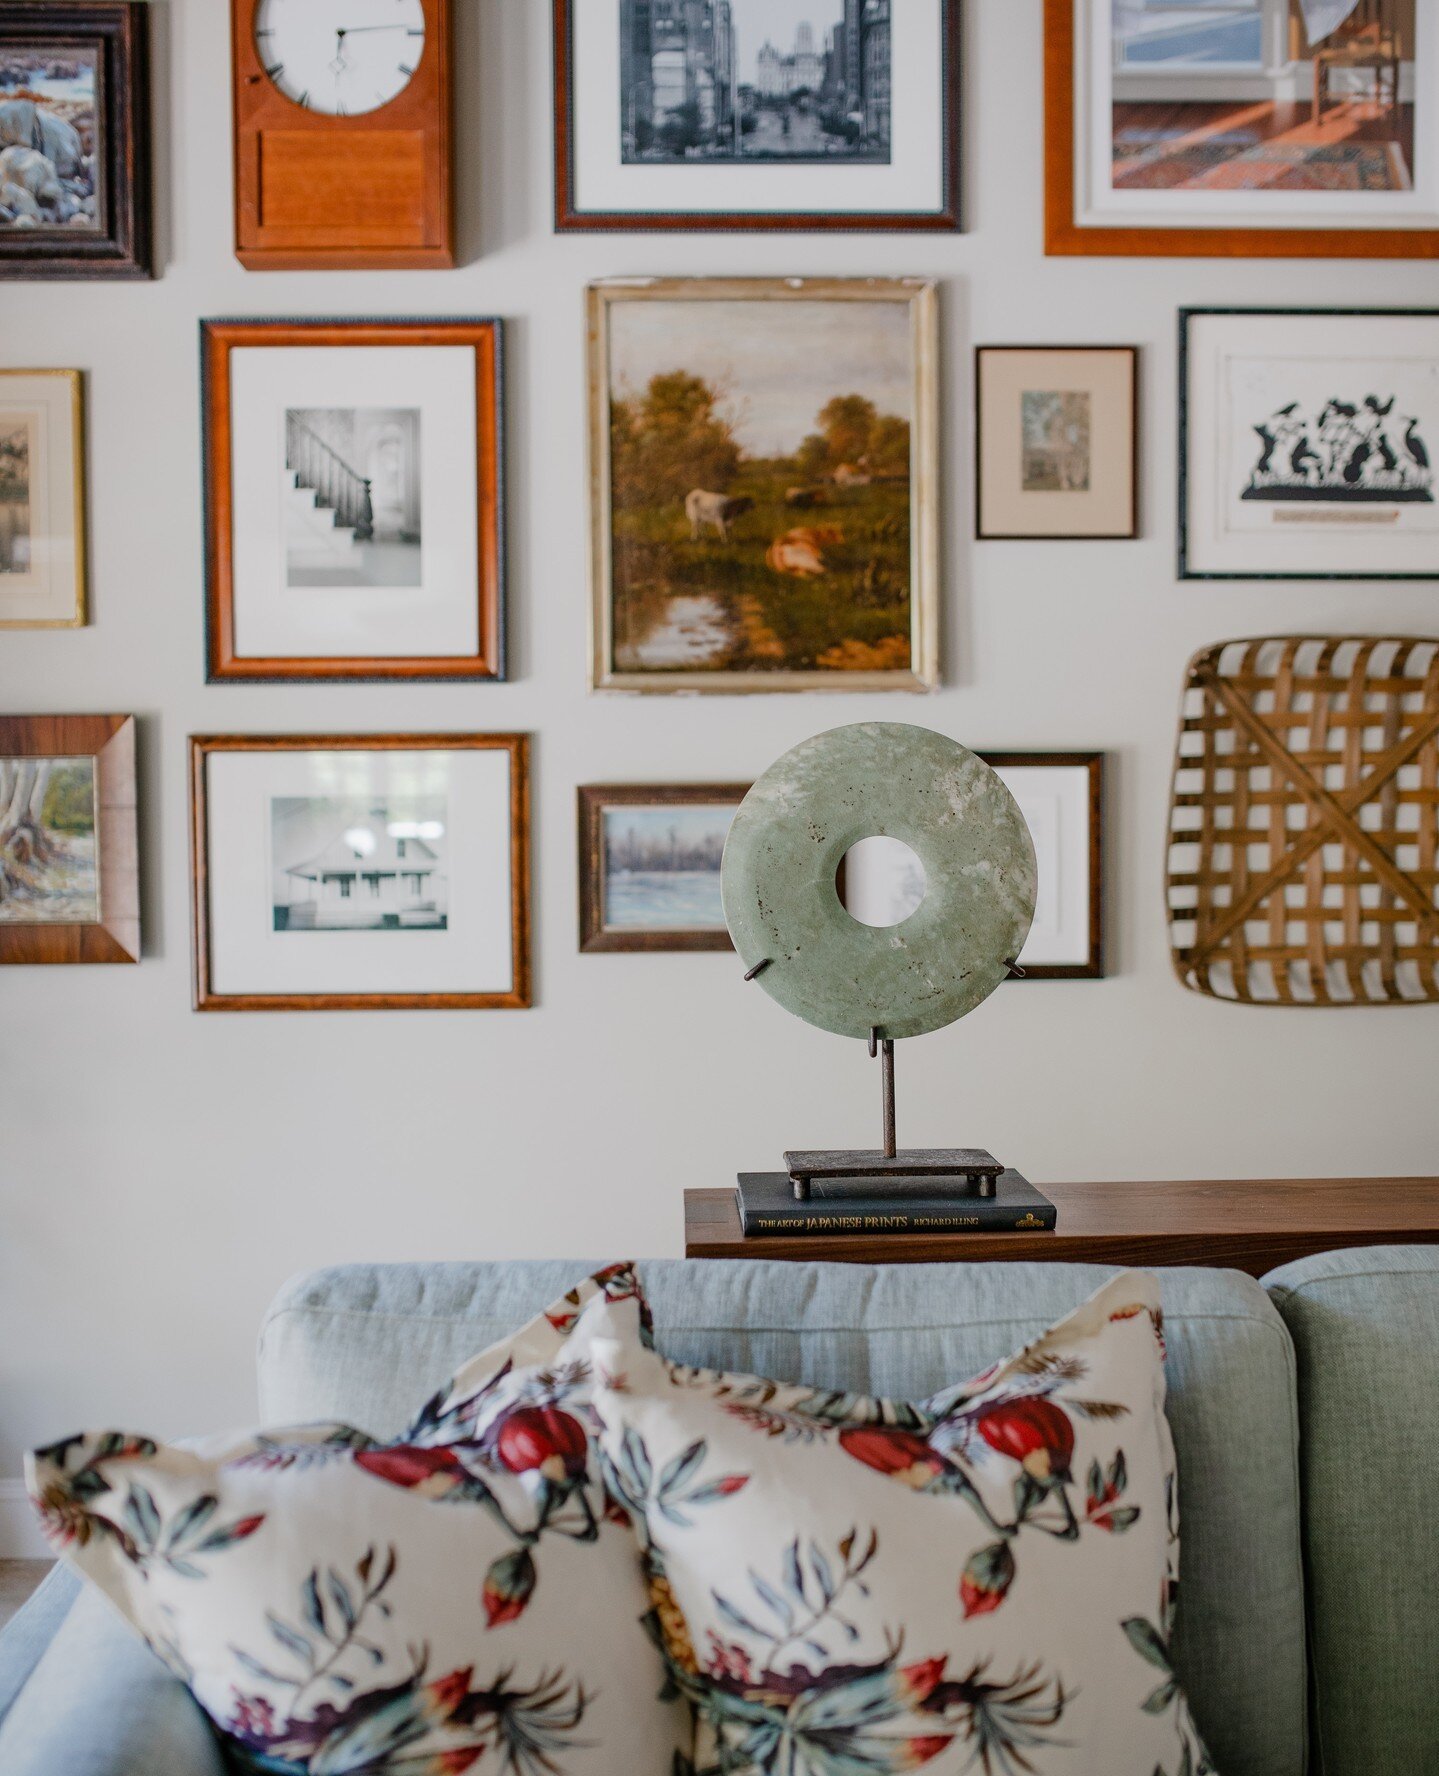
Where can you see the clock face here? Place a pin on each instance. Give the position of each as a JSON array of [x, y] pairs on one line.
[[342, 57]]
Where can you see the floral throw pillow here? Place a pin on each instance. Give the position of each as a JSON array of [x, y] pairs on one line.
[[984, 1582], [459, 1599]]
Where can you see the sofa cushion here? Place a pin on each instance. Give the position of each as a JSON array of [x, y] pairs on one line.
[[352, 1342], [1365, 1326]]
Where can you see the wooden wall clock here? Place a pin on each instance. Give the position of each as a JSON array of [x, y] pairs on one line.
[[342, 134]]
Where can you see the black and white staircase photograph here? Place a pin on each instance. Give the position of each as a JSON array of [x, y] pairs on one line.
[[351, 496]]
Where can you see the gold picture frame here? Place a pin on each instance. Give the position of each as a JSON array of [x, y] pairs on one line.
[[855, 530], [68, 464]]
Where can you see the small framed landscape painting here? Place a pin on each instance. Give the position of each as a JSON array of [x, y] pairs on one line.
[[1056, 441], [764, 502], [757, 114], [75, 139], [1309, 442], [1242, 128], [373, 872], [69, 858], [354, 499], [42, 499], [650, 865]]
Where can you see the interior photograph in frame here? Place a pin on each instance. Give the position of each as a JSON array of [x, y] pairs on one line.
[[69, 848], [1056, 442], [1242, 128], [757, 114], [42, 499], [354, 499], [75, 198], [360, 872], [764, 484], [650, 858], [1309, 440]]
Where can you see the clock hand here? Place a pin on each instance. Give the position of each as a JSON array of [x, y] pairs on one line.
[[355, 30]]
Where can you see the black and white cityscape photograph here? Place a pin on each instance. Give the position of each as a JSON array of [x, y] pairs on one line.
[[346, 863], [350, 489], [714, 81]]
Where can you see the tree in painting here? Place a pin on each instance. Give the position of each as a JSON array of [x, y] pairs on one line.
[[47, 840]]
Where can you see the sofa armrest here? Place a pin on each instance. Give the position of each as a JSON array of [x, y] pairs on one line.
[[31, 1629], [97, 1702]]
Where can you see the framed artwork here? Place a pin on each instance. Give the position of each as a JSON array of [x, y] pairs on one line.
[[75, 140], [1061, 795], [42, 499], [364, 872], [354, 498], [757, 114], [1056, 441], [650, 864], [69, 853], [764, 484], [1242, 128], [1308, 444]]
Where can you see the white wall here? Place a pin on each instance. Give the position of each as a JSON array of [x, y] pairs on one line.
[[161, 1173]]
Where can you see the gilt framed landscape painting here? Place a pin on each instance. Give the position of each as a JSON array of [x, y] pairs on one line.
[[1309, 443], [757, 114], [650, 857], [764, 484], [42, 499]]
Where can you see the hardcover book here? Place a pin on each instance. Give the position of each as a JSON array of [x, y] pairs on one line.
[[768, 1207]]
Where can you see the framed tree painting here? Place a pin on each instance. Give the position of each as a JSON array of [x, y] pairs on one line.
[[1309, 440], [650, 858], [69, 858], [764, 484], [75, 139], [354, 495], [1242, 128], [757, 114], [365, 872], [42, 499]]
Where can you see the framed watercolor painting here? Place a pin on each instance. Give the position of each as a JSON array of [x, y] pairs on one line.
[[1309, 441], [42, 499], [351, 873], [1056, 441], [650, 864], [75, 140], [1061, 795], [354, 499], [1242, 128], [764, 484], [69, 852], [757, 114]]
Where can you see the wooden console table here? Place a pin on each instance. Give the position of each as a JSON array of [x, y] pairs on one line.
[[1249, 1224]]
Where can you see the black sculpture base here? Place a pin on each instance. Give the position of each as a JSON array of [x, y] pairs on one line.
[[913, 1170]]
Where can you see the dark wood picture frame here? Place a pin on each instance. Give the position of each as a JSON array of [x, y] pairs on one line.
[[218, 340], [1091, 536], [593, 799], [570, 219], [392, 165], [110, 741], [518, 998], [1063, 234], [118, 32], [1093, 968]]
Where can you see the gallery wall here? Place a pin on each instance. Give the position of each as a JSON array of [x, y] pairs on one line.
[[161, 1172]]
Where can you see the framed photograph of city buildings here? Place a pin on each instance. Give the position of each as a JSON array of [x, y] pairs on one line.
[[354, 475], [1243, 128], [42, 499], [1309, 440], [757, 114], [764, 484], [650, 864], [374, 872]]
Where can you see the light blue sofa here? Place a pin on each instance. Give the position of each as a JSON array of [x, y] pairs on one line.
[[1305, 1413]]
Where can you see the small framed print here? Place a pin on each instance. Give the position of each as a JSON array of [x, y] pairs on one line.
[[1056, 441], [1309, 442], [352, 873], [650, 858], [354, 499], [42, 499], [75, 140], [1061, 795], [69, 853], [745, 114]]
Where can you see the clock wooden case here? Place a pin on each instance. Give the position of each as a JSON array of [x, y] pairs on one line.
[[320, 188]]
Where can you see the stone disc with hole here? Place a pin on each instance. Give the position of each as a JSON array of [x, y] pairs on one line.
[[785, 846]]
